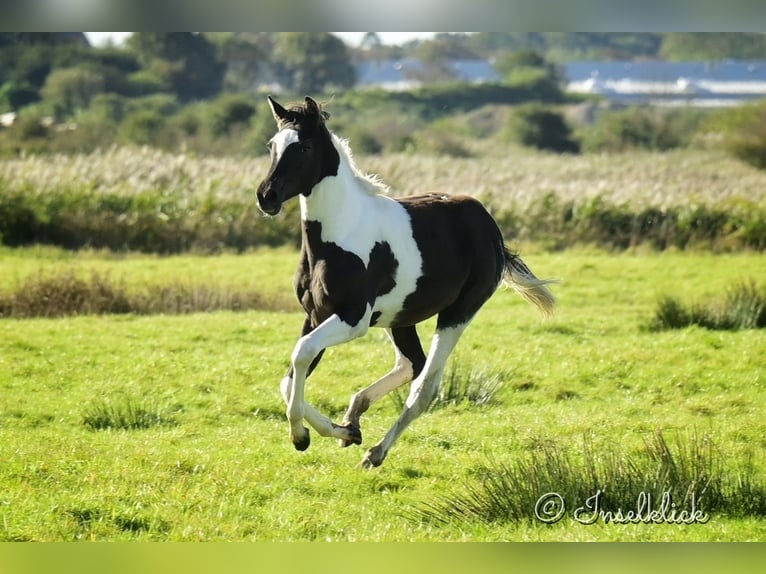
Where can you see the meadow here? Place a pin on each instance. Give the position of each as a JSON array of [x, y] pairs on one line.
[[147, 317], [170, 426]]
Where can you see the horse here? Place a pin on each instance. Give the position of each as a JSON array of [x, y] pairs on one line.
[[370, 260]]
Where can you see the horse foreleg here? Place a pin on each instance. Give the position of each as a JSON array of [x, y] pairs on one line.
[[319, 422], [422, 392], [332, 331]]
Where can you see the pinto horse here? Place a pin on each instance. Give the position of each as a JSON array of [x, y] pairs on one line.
[[369, 260]]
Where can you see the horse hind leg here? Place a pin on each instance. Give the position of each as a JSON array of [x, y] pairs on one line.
[[410, 360], [422, 391]]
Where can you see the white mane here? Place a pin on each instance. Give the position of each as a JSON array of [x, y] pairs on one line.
[[370, 182]]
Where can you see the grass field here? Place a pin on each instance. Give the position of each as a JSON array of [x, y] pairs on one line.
[[204, 455]]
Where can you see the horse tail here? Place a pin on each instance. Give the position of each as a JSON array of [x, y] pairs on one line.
[[524, 282]]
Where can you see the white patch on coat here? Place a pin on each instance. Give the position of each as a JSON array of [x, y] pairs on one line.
[[355, 219], [281, 140]]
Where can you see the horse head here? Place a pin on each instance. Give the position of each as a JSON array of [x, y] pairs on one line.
[[302, 154]]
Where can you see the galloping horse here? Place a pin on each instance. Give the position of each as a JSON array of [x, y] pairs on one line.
[[369, 260]]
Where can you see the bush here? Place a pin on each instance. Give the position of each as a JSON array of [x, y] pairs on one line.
[[436, 140], [71, 89], [29, 126], [533, 125], [15, 96], [642, 128], [230, 111], [143, 127], [107, 108], [744, 132]]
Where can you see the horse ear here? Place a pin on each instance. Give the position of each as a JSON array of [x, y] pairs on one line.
[[313, 108], [279, 113]]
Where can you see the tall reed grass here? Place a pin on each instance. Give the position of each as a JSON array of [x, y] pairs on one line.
[[146, 200]]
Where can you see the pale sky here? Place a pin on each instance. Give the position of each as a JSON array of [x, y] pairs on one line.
[[351, 38]]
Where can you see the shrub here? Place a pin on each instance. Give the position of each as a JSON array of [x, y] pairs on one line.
[[436, 141], [107, 108], [534, 125], [143, 127], [15, 95], [71, 89], [229, 111], [744, 131], [642, 128], [29, 126]]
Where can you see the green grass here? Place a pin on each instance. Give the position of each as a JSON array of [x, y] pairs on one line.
[[213, 461]]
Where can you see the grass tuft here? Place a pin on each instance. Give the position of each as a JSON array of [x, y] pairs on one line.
[[125, 415], [459, 386], [742, 307], [691, 467]]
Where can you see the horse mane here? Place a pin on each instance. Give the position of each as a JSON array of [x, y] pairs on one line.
[[371, 183]]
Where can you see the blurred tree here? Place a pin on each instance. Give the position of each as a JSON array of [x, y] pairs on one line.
[[312, 62], [71, 89], [713, 46], [436, 56], [14, 96], [370, 41], [188, 60], [509, 64], [245, 56]]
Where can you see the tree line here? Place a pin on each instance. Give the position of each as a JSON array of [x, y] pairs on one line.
[[199, 92], [64, 71]]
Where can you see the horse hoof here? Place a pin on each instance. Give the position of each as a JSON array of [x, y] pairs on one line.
[[302, 443], [355, 435], [373, 458]]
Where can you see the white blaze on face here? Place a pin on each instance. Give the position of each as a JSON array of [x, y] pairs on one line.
[[281, 140]]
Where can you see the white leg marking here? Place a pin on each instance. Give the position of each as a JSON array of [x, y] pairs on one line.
[[423, 390], [321, 423], [361, 401], [332, 332]]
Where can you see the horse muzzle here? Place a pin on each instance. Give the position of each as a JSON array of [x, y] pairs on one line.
[[269, 201]]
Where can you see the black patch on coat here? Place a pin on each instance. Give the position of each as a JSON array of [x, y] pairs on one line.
[[331, 280], [407, 341], [463, 259]]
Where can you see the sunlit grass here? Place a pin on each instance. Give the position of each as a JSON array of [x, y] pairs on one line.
[[222, 467]]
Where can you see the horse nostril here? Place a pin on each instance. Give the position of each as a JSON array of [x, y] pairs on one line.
[[268, 202]]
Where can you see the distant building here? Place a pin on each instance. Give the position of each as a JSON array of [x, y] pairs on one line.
[[654, 82]]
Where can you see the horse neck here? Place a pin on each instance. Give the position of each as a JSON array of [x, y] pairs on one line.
[[339, 200]]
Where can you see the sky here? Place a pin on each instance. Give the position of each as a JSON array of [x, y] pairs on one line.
[[351, 38]]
